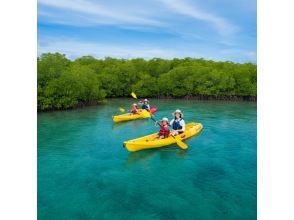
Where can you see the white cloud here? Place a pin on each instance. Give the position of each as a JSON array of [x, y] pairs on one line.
[[153, 13], [239, 55], [91, 12], [177, 21], [252, 56], [222, 25], [75, 48]]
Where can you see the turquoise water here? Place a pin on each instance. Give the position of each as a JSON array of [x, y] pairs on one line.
[[85, 173]]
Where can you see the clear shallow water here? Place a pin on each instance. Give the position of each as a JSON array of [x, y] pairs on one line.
[[85, 173]]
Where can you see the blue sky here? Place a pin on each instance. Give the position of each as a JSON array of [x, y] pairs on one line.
[[211, 29]]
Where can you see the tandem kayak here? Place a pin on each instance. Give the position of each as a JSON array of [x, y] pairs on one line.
[[147, 142], [131, 116]]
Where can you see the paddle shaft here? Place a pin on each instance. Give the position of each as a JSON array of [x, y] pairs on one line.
[[155, 120]]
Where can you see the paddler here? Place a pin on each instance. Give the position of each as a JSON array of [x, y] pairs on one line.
[[146, 105], [164, 130], [178, 123], [134, 110], [140, 103]]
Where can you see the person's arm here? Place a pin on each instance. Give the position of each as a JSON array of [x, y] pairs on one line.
[[171, 123], [183, 124]]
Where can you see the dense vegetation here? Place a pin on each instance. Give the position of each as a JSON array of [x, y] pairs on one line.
[[63, 83]]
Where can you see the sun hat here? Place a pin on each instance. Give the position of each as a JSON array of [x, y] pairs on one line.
[[178, 111], [164, 119], [135, 104]]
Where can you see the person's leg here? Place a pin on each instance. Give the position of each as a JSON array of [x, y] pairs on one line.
[[156, 137], [174, 133]]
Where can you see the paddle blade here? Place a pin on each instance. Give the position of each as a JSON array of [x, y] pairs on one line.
[[121, 110], [181, 144], [133, 95]]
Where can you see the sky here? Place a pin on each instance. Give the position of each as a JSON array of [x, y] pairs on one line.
[[222, 30]]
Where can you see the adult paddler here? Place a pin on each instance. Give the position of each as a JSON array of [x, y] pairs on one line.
[[178, 123], [146, 105]]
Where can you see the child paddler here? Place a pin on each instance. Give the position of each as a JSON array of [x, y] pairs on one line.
[[134, 110], [164, 130]]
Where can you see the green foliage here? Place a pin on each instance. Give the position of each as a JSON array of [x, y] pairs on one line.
[[51, 66], [64, 84], [76, 84]]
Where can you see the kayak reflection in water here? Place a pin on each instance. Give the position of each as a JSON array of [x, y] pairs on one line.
[[178, 123], [164, 130]]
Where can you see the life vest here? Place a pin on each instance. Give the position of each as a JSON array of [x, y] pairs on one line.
[[164, 131], [134, 110], [177, 125], [145, 106]]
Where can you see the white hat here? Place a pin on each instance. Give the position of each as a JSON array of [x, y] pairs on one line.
[[146, 100], [164, 119], [178, 111], [135, 104]]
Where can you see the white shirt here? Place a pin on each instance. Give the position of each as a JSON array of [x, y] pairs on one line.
[[182, 123]]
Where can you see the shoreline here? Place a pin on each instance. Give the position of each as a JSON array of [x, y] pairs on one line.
[[194, 98], [214, 98]]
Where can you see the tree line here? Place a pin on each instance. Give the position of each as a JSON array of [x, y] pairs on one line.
[[63, 83]]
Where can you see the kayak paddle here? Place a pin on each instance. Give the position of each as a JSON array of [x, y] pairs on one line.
[[121, 109], [134, 95], [153, 119], [179, 142]]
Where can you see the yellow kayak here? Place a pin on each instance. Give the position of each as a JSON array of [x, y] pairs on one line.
[[148, 141], [131, 116]]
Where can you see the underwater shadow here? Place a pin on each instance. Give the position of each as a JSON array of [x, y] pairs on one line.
[[133, 123], [171, 152]]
